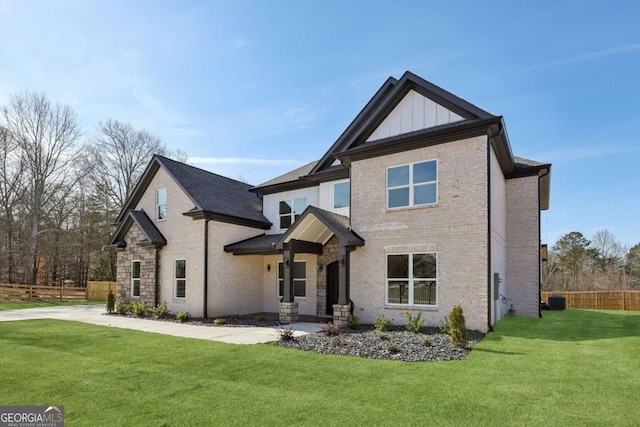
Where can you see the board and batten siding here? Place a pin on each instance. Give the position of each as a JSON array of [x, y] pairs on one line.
[[326, 197], [270, 204], [414, 112]]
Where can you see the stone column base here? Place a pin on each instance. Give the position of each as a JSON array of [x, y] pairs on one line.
[[341, 313], [288, 312]]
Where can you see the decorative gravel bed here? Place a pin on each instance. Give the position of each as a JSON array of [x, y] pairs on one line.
[[397, 344]]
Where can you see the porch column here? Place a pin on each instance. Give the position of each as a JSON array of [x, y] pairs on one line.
[[288, 308], [342, 310]]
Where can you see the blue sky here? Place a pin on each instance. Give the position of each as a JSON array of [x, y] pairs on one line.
[[253, 89]]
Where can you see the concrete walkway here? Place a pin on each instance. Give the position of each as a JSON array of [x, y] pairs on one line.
[[94, 314]]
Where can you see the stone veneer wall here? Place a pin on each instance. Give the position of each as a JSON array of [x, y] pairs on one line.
[[329, 255], [146, 256]]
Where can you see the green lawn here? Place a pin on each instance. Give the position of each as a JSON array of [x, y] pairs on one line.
[[570, 368], [17, 305]]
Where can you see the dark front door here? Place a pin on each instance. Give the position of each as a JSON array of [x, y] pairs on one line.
[[332, 286]]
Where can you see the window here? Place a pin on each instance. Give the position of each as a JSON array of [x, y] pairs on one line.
[[135, 278], [299, 279], [290, 210], [181, 278], [411, 279], [341, 196], [161, 203], [412, 185]]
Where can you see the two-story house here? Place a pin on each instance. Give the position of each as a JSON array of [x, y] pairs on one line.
[[418, 206]]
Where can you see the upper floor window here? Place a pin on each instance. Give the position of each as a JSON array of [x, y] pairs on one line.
[[412, 185], [341, 195], [290, 210], [161, 203]]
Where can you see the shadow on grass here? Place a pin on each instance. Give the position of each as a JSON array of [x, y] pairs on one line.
[[573, 325], [487, 350]]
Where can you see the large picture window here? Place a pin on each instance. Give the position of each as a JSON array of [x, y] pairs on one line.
[[299, 279], [181, 278], [412, 279], [290, 210], [161, 203], [135, 278], [412, 185]]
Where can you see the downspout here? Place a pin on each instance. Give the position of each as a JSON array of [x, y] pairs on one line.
[[156, 299], [206, 268], [540, 245], [489, 302]]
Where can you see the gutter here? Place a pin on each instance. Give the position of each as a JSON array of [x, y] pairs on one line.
[[205, 315]]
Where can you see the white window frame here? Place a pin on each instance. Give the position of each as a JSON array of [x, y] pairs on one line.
[[410, 280], [294, 280], [293, 212], [176, 278], [133, 279], [333, 205], [159, 205], [411, 185]]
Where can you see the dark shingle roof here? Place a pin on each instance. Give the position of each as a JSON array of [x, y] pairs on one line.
[[152, 236], [521, 162], [290, 176], [263, 244], [216, 194]]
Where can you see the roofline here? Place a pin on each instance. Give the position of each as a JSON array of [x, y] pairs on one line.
[[306, 181], [197, 214]]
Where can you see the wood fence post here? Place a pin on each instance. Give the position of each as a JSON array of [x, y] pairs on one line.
[[30, 293], [61, 292]]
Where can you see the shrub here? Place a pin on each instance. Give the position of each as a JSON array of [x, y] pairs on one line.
[[260, 318], [111, 302], [444, 326], [139, 309], [414, 324], [331, 330], [235, 316], [457, 327], [219, 321], [183, 316], [160, 311], [286, 334], [426, 342], [382, 323], [352, 321], [123, 308], [392, 348]]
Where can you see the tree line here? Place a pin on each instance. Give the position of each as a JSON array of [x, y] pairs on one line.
[[60, 190], [575, 263]]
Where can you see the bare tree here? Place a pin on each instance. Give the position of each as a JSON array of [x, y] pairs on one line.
[[179, 155], [610, 251], [46, 136], [116, 158]]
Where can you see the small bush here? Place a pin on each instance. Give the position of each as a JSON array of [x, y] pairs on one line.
[[444, 326], [382, 323], [392, 348], [286, 334], [160, 311], [414, 324], [219, 321], [426, 342], [111, 302], [457, 327], [235, 316], [139, 308], [352, 321], [331, 330], [260, 318], [183, 316], [123, 308]]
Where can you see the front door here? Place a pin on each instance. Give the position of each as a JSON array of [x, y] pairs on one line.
[[332, 286]]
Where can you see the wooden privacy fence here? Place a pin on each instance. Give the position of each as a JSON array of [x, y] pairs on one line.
[[97, 291], [41, 293], [605, 300]]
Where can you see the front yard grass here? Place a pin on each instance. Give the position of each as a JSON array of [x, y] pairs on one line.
[[18, 305], [570, 368]]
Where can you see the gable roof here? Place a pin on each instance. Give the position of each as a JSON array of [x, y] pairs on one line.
[[214, 196], [385, 100], [152, 236]]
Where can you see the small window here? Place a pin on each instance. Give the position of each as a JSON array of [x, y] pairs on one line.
[[411, 279], [135, 278], [299, 279], [290, 210], [161, 204], [412, 185], [341, 195], [181, 278]]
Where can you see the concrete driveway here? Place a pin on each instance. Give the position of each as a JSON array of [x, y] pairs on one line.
[[94, 314]]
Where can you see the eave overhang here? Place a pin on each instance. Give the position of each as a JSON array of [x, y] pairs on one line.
[[197, 214]]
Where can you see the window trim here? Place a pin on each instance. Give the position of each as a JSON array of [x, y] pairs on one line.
[[294, 280], [139, 279], [158, 205], [292, 214], [175, 278], [410, 281], [411, 185]]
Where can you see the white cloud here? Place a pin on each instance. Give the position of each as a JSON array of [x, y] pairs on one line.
[[597, 54]]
